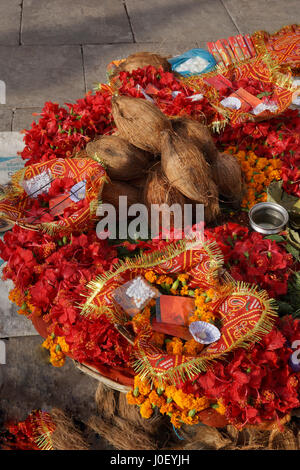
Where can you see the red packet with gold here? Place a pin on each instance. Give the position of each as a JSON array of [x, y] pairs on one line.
[[174, 309], [243, 46], [214, 51], [173, 330], [248, 101], [236, 48], [228, 50], [223, 53], [250, 45]]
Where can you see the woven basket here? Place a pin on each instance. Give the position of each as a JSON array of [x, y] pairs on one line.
[[92, 372]]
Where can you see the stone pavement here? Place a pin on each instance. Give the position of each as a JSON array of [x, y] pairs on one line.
[[57, 50]]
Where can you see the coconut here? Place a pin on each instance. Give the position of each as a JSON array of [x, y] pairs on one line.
[[139, 60], [187, 170], [139, 183], [199, 133], [158, 190], [227, 175], [140, 122], [121, 159], [114, 189]]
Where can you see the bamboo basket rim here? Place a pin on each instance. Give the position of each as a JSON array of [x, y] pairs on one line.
[[92, 372]]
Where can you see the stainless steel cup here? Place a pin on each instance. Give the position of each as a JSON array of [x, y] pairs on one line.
[[268, 218]]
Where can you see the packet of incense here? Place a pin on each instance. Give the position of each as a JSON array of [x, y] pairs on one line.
[[214, 51], [250, 45], [236, 48], [243, 46]]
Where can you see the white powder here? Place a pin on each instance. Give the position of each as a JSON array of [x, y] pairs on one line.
[[194, 65]]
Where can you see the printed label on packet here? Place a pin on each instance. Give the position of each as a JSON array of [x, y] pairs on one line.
[[214, 51], [250, 45], [228, 50], [243, 46], [236, 48], [223, 53]]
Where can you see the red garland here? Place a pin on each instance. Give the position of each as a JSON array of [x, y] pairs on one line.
[[163, 85], [62, 131], [255, 385], [251, 258], [51, 276], [278, 137]]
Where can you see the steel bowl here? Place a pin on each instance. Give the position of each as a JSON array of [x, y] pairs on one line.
[[268, 218]]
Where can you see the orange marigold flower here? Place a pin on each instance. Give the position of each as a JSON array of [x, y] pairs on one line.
[[156, 400], [192, 347], [132, 400], [220, 408], [175, 346], [146, 409], [176, 419], [158, 339], [150, 276], [184, 290], [142, 385]]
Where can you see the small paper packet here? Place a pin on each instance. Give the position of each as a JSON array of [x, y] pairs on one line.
[[134, 295]]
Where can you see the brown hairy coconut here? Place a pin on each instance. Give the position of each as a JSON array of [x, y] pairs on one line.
[[198, 133], [122, 160], [187, 170], [114, 189], [140, 122], [138, 183], [138, 60], [227, 175], [158, 190]]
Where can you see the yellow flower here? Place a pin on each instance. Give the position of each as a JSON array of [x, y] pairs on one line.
[[201, 403], [192, 347], [175, 419], [150, 276], [220, 408], [62, 342], [158, 339], [146, 409], [183, 277], [156, 400], [132, 400], [175, 346], [184, 290], [183, 400], [143, 386]]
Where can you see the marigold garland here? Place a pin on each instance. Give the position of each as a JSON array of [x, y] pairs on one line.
[[258, 174]]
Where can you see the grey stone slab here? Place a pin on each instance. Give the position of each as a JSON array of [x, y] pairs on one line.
[[10, 16], [23, 118], [35, 74], [11, 323], [30, 382], [5, 119], [267, 15], [74, 22], [179, 20], [97, 57]]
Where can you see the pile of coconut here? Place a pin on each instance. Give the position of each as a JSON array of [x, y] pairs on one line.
[[155, 160]]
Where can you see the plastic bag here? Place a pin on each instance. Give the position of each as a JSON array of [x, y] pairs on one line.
[[193, 53]]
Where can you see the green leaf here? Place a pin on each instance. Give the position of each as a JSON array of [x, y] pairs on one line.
[[264, 93], [277, 194], [293, 251], [275, 238]]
